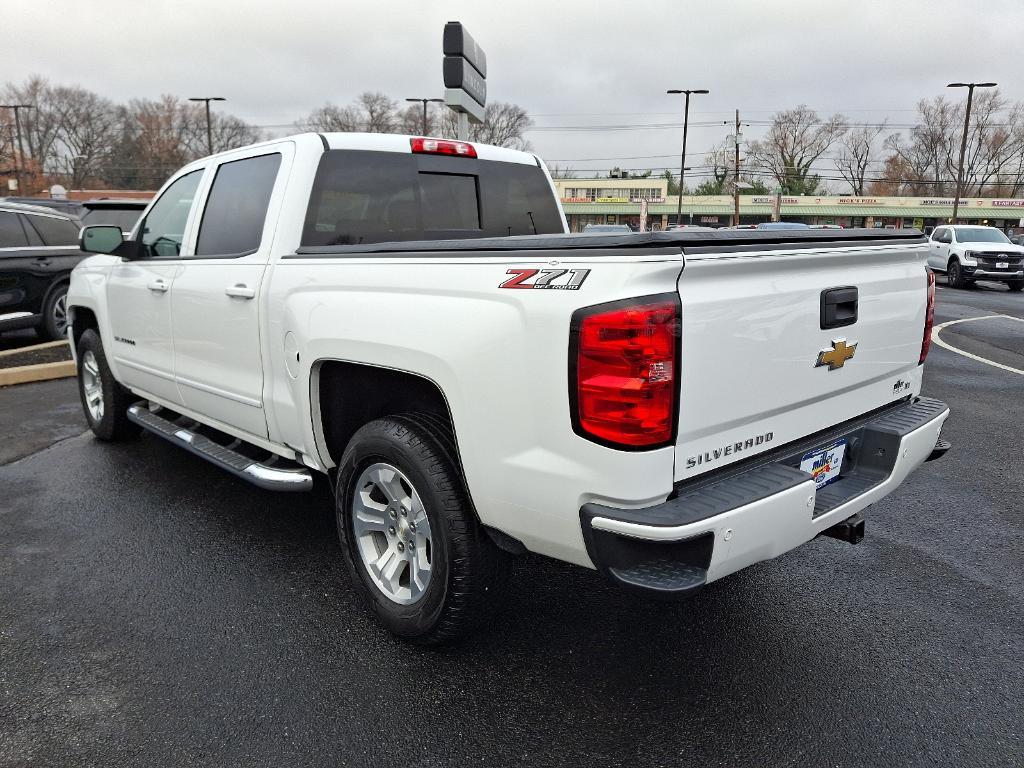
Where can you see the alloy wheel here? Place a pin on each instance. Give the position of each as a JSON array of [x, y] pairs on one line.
[[92, 386], [392, 533]]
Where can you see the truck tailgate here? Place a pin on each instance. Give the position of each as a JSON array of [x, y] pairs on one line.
[[752, 373]]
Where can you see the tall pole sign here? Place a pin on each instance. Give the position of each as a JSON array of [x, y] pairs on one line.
[[465, 76]]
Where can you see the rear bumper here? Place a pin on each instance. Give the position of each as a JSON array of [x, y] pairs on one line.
[[717, 524]]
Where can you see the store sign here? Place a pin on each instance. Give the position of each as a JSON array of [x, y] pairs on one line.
[[859, 201], [646, 199], [937, 202], [1008, 203], [708, 219], [612, 200], [465, 72], [575, 199], [771, 201]]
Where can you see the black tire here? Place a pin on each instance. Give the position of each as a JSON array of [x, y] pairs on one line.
[[955, 275], [113, 425], [1015, 286], [468, 570], [55, 314]]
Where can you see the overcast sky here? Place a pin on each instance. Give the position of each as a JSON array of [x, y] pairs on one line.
[[573, 63]]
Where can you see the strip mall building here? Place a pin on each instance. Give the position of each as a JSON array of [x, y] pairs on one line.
[[619, 201]]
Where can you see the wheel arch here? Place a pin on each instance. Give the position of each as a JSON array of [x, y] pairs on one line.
[[80, 318], [346, 395]]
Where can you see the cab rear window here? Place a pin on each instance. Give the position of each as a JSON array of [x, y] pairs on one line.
[[372, 197]]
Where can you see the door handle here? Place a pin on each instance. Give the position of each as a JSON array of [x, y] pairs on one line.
[[42, 262], [240, 291], [157, 286]]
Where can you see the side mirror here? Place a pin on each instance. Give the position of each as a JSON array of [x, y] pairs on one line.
[[101, 239]]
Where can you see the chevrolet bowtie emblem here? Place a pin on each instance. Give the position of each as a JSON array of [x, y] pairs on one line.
[[837, 356]]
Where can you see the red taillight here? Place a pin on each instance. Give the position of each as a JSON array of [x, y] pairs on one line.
[[442, 147], [626, 360], [929, 317]]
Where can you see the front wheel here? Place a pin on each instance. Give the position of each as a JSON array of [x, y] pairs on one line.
[[955, 275], [410, 536], [1015, 286], [104, 401]]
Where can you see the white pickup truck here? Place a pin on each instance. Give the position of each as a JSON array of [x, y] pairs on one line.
[[410, 317]]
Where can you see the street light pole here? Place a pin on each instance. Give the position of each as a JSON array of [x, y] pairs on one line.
[[963, 141], [20, 163], [682, 157], [209, 130], [425, 102]]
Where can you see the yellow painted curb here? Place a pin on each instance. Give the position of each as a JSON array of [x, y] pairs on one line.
[[24, 374], [33, 348]]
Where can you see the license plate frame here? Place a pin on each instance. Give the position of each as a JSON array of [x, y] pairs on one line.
[[1002, 265], [825, 464]]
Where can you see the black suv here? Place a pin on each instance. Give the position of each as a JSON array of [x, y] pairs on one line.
[[38, 250]]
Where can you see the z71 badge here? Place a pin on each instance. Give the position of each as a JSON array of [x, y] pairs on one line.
[[552, 279]]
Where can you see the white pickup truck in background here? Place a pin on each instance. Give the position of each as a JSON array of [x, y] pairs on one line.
[[410, 317]]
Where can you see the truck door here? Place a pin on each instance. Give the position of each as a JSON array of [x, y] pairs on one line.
[[215, 300], [138, 294], [938, 248]]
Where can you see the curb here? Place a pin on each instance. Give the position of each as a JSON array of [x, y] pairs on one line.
[[25, 374]]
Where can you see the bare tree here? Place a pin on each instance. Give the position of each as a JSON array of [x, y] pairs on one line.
[[796, 139], [504, 125], [927, 158], [856, 154], [380, 112], [330, 118], [561, 171], [86, 131]]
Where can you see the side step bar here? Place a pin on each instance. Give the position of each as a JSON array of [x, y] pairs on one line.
[[264, 475]]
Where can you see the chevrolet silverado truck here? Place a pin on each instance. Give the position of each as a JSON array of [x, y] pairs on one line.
[[410, 317]]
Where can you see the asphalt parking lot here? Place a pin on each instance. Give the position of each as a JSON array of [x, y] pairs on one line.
[[155, 611]]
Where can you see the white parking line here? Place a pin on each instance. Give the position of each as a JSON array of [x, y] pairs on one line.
[[951, 348]]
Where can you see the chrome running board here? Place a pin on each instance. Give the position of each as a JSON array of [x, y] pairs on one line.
[[265, 475]]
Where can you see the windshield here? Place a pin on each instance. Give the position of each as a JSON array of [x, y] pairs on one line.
[[124, 218], [980, 235]]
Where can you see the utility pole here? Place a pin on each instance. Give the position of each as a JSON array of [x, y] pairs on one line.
[[736, 180], [209, 130], [425, 102], [682, 158], [20, 160], [963, 141]]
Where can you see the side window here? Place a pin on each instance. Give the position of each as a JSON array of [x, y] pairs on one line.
[[34, 240], [937, 234], [11, 233], [52, 230], [164, 228], [236, 208]]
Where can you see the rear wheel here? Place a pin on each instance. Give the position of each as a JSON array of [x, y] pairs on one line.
[[104, 401], [411, 540], [55, 314], [955, 275]]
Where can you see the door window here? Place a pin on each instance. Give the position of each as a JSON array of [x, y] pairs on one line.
[[52, 230], [236, 208], [937, 234], [11, 233], [164, 229]]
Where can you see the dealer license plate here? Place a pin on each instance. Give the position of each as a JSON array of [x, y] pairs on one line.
[[1002, 264], [825, 463]]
